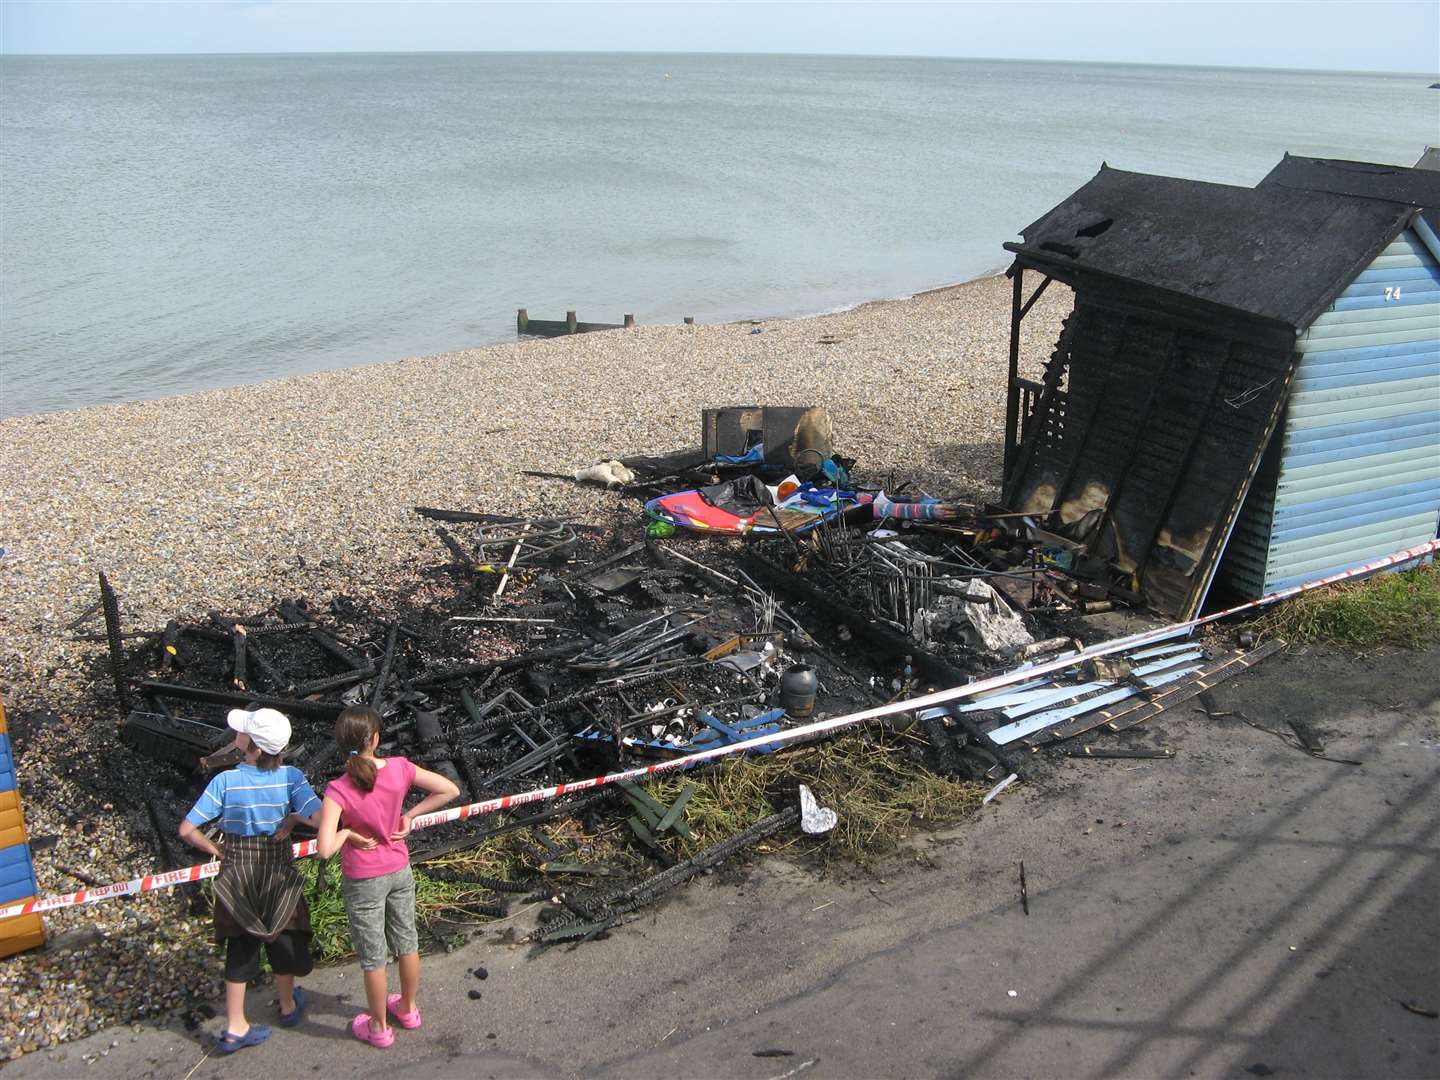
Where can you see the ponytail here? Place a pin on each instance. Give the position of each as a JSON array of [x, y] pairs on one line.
[[353, 730]]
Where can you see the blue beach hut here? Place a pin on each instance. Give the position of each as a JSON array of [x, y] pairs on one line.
[[1248, 387], [1353, 473]]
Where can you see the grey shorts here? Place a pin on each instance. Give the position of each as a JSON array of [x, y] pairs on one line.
[[382, 911]]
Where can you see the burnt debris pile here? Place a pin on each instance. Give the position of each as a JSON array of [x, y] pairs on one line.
[[763, 587]]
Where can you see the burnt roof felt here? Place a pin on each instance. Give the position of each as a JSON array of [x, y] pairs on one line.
[[1271, 252], [1419, 187]]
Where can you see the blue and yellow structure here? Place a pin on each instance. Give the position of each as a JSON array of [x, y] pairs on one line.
[[17, 867]]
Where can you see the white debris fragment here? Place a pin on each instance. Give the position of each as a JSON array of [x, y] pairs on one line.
[[609, 473], [1001, 786], [814, 818]]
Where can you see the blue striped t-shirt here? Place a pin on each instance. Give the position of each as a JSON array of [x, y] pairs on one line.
[[252, 802]]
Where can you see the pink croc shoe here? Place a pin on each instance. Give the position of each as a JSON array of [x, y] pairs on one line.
[[381, 1040], [409, 1021]]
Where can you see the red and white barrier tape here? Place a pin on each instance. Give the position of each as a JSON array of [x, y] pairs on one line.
[[201, 871]]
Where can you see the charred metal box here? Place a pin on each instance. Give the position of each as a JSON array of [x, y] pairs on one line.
[[180, 742], [789, 435]]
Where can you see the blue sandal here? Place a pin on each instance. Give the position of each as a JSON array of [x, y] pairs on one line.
[[228, 1043], [295, 1015]]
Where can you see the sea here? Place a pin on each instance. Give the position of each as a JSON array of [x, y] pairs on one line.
[[176, 223]]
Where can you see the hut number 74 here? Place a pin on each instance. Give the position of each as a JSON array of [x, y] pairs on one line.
[[1392, 292]]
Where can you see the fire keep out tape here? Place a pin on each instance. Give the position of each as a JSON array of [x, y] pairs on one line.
[[305, 848]]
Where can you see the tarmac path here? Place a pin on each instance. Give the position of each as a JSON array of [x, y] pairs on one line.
[[1241, 909]]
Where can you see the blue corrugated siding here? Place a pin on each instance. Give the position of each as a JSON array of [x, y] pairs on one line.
[[1419, 358], [1361, 432], [1395, 496], [1359, 469]]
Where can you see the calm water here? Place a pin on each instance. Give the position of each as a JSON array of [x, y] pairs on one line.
[[174, 223]]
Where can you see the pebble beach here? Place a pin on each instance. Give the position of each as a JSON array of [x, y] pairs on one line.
[[234, 499]]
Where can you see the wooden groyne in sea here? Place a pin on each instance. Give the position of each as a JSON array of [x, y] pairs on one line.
[[526, 326]]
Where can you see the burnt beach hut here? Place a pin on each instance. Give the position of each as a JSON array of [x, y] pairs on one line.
[[1249, 375]]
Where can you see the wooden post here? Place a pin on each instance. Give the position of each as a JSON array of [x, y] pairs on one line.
[[522, 321], [570, 322], [111, 605], [1012, 390], [629, 320], [689, 320]]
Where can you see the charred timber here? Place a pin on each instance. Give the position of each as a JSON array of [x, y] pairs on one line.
[[320, 710], [386, 665], [330, 645], [652, 888], [509, 663], [435, 514], [334, 682], [110, 603], [465, 843]]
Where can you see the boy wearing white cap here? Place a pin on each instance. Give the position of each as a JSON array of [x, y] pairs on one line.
[[259, 895]]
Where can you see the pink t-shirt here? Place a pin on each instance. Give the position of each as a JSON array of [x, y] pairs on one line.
[[374, 813]]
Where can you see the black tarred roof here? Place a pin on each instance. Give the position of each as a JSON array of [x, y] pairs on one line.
[[1274, 252], [1418, 187]]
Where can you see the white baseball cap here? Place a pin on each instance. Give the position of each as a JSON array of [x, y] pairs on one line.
[[269, 729]]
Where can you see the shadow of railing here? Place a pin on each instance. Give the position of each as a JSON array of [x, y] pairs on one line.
[[1415, 859]]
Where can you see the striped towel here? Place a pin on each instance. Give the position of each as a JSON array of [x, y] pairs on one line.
[[925, 509], [259, 885]]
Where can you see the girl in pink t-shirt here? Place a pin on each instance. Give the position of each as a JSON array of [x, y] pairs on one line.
[[364, 818]]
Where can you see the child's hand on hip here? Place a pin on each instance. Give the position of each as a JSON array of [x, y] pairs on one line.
[[404, 829], [364, 843]]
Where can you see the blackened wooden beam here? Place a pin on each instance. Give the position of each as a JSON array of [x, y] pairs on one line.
[[509, 663], [242, 654], [335, 649], [320, 710], [277, 679], [333, 682], [386, 665], [1012, 386], [1039, 291], [110, 603]]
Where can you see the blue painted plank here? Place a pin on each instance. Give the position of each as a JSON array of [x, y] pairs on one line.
[[1382, 319], [1347, 542], [1370, 352], [1390, 498], [1368, 446], [1316, 575], [1161, 658], [19, 869], [1318, 435], [1361, 515], [1042, 699], [20, 890], [7, 764], [1386, 369], [13, 856], [1362, 433], [1159, 650], [1378, 299], [1008, 696], [1394, 276], [1008, 733]]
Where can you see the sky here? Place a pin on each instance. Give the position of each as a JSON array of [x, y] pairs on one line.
[[1373, 35]]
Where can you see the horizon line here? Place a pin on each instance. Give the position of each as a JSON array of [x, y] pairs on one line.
[[7, 54]]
